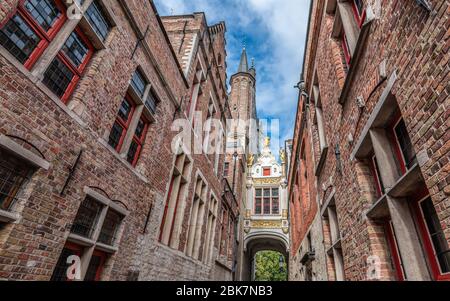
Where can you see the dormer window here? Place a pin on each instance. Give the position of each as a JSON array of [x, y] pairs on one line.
[[267, 172]]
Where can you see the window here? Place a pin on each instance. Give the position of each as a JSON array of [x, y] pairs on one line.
[[13, 173], [95, 268], [358, 11], [98, 222], [87, 217], [60, 271], [110, 229], [31, 29], [267, 201], [258, 201], [121, 124], [403, 146], [434, 239], [275, 201], [175, 202], [195, 93], [139, 83], [151, 102], [226, 169], [196, 219], [65, 70], [377, 177], [333, 241], [395, 253], [138, 142], [267, 172], [211, 229], [98, 20]]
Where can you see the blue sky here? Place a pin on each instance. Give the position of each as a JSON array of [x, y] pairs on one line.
[[274, 34]]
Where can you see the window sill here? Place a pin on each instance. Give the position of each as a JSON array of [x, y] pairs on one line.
[[379, 210], [124, 162], [33, 159], [328, 203], [323, 158], [364, 33], [8, 217], [336, 245], [106, 248], [408, 183], [83, 241]]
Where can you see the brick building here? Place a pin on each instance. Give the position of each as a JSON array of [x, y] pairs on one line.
[[86, 161], [369, 180]]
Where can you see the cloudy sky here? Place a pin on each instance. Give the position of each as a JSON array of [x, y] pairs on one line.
[[274, 34]]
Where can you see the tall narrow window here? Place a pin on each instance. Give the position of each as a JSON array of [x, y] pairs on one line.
[[138, 142], [226, 169], [434, 238], [404, 146], [196, 219], [258, 201], [98, 20], [13, 173], [211, 229], [275, 201], [266, 201], [175, 202], [377, 177], [358, 11], [138, 82], [87, 218], [120, 127], [32, 28]]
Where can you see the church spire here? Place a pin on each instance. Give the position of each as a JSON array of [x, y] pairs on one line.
[[243, 65]]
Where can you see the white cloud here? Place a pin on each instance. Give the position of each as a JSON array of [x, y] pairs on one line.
[[275, 34]]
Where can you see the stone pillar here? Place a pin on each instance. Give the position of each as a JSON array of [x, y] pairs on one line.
[[404, 227]]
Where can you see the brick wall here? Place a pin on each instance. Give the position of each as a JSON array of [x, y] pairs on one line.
[[414, 43], [30, 247]]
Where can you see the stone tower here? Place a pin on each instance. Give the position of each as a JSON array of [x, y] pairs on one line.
[[242, 140], [243, 135]]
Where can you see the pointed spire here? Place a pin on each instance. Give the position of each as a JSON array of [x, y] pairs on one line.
[[243, 65]]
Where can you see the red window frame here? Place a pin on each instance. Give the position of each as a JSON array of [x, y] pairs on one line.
[[376, 176], [125, 124], [103, 256], [140, 141], [395, 253], [345, 47], [394, 140], [77, 71], [426, 239], [267, 172], [46, 36], [359, 16], [78, 250]]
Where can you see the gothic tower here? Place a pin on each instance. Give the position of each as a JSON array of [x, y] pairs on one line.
[[242, 137]]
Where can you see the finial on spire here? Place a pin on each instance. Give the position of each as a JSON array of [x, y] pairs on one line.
[[253, 63]]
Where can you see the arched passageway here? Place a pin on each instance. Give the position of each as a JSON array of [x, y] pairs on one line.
[[253, 244]]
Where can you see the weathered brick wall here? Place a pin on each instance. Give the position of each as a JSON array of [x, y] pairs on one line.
[[415, 44], [30, 248]]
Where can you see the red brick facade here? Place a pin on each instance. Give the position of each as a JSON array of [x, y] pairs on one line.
[[368, 66], [41, 128]]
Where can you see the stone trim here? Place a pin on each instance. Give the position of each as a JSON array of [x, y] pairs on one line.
[[377, 113], [18, 150], [105, 201], [8, 217]]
